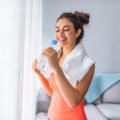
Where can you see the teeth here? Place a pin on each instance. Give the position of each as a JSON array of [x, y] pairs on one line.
[[62, 39]]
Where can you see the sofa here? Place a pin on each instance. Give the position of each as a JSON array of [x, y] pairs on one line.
[[106, 107]]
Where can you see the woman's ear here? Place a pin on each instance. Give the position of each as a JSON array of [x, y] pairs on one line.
[[78, 33]]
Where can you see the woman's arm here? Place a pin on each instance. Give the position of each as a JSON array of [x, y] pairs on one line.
[[45, 83], [73, 95], [43, 80]]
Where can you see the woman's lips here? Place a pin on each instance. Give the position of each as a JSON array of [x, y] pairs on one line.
[[61, 39]]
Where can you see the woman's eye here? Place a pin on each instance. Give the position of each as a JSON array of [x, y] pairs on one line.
[[56, 30], [66, 30], [63, 30]]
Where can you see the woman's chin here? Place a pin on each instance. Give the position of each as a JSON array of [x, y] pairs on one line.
[[62, 43]]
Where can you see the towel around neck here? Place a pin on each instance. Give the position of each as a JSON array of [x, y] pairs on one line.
[[75, 65]]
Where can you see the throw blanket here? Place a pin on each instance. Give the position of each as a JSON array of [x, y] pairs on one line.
[[100, 83]]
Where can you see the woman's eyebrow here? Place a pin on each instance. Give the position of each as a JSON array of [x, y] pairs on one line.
[[63, 26]]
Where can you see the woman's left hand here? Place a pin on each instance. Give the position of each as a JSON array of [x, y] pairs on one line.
[[52, 57]]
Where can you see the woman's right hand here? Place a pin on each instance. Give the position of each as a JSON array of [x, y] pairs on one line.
[[34, 64]]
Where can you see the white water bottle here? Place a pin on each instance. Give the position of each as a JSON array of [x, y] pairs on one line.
[[42, 60]]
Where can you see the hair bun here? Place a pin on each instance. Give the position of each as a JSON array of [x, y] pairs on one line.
[[84, 17]]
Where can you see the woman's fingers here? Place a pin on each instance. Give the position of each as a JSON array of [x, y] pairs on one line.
[[34, 64], [49, 52], [49, 49]]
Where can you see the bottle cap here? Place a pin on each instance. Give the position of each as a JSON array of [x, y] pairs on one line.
[[54, 42]]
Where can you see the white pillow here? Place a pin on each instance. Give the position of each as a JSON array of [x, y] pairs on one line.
[[41, 116]]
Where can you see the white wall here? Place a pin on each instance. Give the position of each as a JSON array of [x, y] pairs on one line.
[[102, 37]]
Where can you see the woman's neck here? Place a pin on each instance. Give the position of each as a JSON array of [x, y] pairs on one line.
[[67, 50]]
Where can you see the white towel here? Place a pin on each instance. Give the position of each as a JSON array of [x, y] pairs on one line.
[[75, 66]]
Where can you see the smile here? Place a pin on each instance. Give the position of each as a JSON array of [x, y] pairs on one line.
[[61, 39]]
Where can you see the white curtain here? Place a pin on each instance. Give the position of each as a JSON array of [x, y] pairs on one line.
[[20, 40]]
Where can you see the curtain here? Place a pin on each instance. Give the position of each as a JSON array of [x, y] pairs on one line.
[[20, 40]]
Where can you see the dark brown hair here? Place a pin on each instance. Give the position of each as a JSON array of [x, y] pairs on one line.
[[79, 19]]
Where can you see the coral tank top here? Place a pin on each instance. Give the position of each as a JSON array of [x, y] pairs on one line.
[[59, 110]]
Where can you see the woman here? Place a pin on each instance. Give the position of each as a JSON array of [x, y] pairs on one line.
[[67, 96]]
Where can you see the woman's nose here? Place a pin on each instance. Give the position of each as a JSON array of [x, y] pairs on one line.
[[61, 32]]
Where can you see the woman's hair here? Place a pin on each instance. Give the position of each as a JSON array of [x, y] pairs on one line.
[[79, 19]]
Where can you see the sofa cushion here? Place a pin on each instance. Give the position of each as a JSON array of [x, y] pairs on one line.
[[97, 101], [111, 95], [41, 116], [111, 111], [93, 113], [43, 101]]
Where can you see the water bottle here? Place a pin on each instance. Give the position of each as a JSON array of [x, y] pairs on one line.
[[42, 60]]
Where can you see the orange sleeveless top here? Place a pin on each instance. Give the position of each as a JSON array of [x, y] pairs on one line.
[[59, 110]]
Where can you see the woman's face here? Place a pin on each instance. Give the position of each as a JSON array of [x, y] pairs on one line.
[[65, 33]]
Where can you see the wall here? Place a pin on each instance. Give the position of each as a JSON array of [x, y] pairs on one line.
[[102, 35]]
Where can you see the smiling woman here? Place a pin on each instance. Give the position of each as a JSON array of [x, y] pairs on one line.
[[72, 71]]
